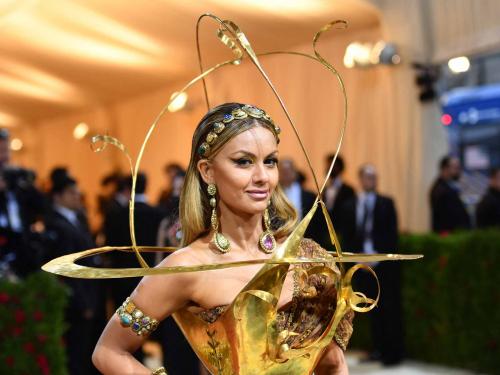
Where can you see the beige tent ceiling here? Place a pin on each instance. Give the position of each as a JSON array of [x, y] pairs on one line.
[[62, 55]]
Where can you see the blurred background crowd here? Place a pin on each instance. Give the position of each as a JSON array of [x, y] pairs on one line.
[[421, 154]]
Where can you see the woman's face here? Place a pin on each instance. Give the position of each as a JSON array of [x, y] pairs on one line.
[[245, 171]]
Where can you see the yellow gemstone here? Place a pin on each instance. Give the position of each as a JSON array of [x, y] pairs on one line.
[[130, 308]]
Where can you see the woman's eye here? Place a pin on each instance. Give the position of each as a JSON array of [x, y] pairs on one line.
[[271, 161], [243, 161]]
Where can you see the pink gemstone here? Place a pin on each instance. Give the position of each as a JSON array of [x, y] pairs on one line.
[[268, 242]]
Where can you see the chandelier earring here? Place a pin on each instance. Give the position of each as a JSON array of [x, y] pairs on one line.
[[267, 242], [221, 243]]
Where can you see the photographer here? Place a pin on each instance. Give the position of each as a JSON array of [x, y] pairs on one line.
[[21, 204]]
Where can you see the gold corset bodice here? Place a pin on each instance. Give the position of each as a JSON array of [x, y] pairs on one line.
[[251, 336]]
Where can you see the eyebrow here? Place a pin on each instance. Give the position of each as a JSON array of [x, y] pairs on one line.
[[250, 153]]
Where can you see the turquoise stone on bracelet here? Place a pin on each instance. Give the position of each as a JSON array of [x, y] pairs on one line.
[[126, 319]]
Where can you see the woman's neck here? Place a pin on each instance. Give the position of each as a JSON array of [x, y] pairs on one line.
[[242, 230]]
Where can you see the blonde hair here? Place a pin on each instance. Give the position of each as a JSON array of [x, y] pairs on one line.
[[195, 210]]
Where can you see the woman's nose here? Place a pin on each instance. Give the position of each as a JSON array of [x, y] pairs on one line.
[[261, 174]]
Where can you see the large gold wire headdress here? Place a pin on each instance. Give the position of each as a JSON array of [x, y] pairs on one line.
[[233, 37]]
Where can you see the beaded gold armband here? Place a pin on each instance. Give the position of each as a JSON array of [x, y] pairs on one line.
[[131, 316]]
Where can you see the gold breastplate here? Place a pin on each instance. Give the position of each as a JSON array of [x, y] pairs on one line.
[[248, 338]]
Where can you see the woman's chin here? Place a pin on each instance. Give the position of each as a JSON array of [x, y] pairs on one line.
[[253, 208]]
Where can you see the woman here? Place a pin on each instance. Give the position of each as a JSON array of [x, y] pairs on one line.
[[232, 209]]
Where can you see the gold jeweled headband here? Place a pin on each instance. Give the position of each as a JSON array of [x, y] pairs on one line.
[[236, 114]]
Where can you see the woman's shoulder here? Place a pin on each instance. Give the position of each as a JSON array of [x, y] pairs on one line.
[[195, 253]]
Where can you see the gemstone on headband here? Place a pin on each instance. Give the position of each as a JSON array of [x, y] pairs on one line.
[[203, 149], [239, 114], [228, 118], [219, 127], [253, 111], [211, 137]]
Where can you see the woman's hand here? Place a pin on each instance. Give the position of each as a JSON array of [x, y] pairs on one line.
[[332, 362]]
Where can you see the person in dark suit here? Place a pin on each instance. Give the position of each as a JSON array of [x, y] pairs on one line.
[[301, 199], [178, 357], [117, 233], [68, 230], [171, 171], [112, 224], [169, 231], [111, 185], [448, 210], [337, 191], [370, 226], [488, 209], [21, 205]]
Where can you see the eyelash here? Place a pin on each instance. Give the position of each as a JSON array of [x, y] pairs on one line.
[[243, 162], [274, 161]]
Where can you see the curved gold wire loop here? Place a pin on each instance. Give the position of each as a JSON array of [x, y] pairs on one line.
[[327, 27], [108, 140], [355, 299]]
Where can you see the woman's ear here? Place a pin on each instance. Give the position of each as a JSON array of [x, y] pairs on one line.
[[206, 171]]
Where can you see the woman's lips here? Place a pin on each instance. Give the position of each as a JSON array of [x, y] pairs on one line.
[[258, 194]]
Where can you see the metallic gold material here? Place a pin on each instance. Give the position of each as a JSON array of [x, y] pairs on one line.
[[211, 137], [219, 127], [221, 243], [267, 242], [236, 114], [66, 265], [211, 189], [131, 317], [159, 371], [244, 340], [247, 329], [203, 149]]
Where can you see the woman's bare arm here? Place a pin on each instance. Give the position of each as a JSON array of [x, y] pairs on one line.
[[332, 361], [157, 297]]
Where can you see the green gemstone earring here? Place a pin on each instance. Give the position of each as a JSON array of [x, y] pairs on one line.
[[221, 243]]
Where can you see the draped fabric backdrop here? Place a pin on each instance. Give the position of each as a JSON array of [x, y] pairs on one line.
[[387, 126]]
